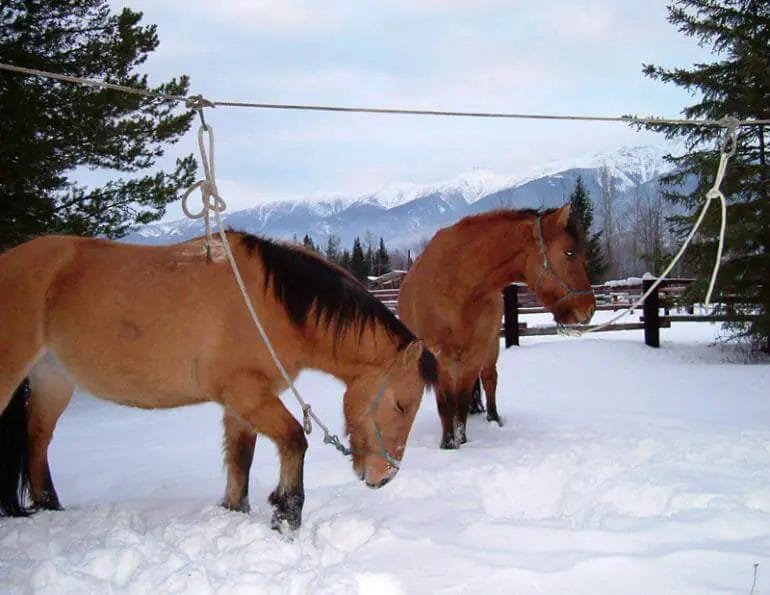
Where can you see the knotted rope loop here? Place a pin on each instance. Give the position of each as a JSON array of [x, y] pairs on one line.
[[728, 148], [210, 198]]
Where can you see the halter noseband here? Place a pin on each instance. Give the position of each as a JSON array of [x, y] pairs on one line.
[[377, 433], [548, 269]]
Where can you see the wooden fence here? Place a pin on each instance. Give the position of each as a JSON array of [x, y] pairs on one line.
[[613, 296]]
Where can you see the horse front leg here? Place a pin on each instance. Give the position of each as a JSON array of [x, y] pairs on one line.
[[464, 398], [489, 378], [266, 414], [239, 452]]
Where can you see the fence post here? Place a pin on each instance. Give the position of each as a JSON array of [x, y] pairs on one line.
[[511, 315], [651, 315]]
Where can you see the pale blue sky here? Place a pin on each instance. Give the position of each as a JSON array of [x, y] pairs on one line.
[[551, 56]]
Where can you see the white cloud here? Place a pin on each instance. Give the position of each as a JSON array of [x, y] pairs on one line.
[[423, 6], [278, 17], [584, 22]]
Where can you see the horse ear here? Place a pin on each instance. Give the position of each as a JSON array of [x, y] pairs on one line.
[[563, 215], [413, 352]]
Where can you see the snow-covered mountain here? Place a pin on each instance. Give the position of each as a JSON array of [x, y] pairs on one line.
[[405, 213]]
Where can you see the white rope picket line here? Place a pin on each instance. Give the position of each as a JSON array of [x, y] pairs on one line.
[[728, 148], [214, 203], [190, 101]]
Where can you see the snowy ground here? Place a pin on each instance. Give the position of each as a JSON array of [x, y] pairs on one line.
[[620, 469]]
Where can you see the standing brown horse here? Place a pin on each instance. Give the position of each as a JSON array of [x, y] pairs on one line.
[[158, 327], [452, 296]]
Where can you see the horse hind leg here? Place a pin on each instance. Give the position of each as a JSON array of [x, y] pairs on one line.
[[477, 404], [51, 392], [239, 452]]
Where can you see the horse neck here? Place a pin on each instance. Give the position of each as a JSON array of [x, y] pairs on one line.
[[346, 357], [493, 253]]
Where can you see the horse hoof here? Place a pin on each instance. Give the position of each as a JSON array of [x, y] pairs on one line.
[[47, 501], [496, 418], [449, 444], [287, 512], [285, 522], [243, 506], [476, 408]]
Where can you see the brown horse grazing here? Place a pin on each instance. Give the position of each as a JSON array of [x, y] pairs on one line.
[[158, 327], [451, 297]]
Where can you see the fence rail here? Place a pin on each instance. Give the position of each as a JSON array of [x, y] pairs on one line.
[[614, 296]]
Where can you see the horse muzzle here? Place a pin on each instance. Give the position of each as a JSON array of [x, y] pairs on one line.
[[579, 310], [376, 476]]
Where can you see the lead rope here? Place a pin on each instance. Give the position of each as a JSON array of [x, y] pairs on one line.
[[727, 150], [214, 203]]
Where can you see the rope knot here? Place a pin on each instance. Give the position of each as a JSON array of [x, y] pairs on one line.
[[307, 424], [730, 141], [336, 443], [714, 193], [729, 122], [198, 102]]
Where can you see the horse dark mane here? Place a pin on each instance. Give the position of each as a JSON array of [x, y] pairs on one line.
[[304, 282]]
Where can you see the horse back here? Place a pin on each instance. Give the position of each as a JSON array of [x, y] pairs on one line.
[[149, 326]]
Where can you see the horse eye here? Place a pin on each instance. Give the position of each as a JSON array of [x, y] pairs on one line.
[[400, 408], [569, 253]]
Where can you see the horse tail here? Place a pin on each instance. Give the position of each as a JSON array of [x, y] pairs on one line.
[[14, 475]]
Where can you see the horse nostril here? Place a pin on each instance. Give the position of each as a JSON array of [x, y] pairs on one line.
[[380, 483]]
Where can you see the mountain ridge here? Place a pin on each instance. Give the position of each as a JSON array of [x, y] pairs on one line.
[[406, 213]]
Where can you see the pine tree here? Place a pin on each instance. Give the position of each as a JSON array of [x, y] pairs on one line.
[[583, 210], [369, 260], [333, 248], [736, 84], [307, 242], [49, 129], [345, 259], [358, 265], [381, 259]]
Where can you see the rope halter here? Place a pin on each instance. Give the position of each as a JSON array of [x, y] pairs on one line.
[[548, 269]]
